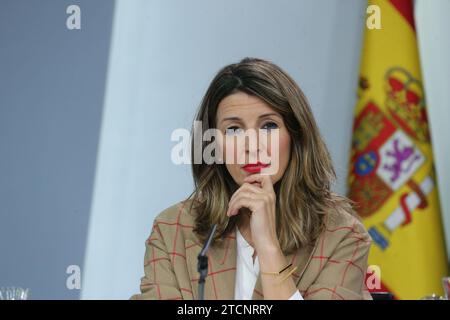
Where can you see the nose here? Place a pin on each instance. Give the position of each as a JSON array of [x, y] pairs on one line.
[[252, 146]]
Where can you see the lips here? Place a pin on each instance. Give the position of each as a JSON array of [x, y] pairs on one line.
[[255, 167]]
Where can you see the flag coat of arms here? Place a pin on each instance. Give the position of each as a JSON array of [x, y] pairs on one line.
[[392, 177]]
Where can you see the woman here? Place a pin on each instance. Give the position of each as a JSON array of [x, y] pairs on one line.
[[281, 234]]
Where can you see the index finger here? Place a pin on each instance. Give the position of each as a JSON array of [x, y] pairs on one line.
[[264, 181]]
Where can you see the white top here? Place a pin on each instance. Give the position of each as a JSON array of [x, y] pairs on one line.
[[247, 271]]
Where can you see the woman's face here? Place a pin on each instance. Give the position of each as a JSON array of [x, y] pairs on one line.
[[241, 112]]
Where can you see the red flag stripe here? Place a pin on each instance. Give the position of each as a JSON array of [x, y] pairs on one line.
[[405, 8]]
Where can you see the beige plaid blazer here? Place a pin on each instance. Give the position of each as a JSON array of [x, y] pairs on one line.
[[335, 268]]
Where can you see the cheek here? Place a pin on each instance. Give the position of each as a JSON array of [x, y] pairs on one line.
[[284, 147], [285, 153]]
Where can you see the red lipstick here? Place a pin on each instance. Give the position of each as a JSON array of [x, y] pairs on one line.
[[254, 167]]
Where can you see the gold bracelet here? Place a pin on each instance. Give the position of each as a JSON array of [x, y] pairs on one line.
[[279, 272], [289, 274]]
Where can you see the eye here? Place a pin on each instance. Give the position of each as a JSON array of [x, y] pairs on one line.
[[270, 126], [233, 130]]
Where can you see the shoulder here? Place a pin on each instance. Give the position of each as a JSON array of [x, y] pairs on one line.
[[342, 225], [176, 221], [176, 212]]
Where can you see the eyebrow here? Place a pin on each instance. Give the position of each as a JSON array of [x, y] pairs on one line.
[[265, 115]]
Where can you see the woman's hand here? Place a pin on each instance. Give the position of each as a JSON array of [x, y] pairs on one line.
[[260, 200]]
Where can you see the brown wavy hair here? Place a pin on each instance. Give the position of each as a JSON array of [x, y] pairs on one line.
[[303, 194]]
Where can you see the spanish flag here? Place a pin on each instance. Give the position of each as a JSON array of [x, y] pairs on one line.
[[392, 177]]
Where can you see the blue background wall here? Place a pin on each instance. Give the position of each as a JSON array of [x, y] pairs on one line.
[[52, 84]]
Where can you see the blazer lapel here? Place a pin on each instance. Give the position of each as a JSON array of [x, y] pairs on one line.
[[220, 281]]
